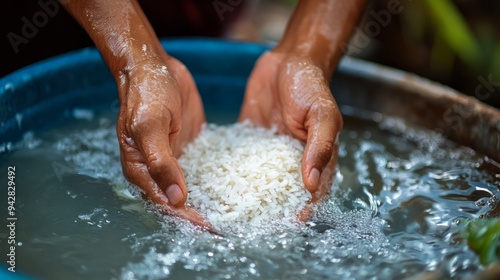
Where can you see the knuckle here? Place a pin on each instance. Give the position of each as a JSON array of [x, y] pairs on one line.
[[138, 124], [127, 144], [156, 165], [175, 129], [326, 110], [143, 121], [132, 172], [323, 104]]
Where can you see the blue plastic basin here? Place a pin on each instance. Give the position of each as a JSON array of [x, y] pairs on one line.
[[39, 95]]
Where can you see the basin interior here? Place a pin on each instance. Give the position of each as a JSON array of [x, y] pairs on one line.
[[397, 205]]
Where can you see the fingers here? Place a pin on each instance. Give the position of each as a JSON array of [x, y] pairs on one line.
[[188, 213], [322, 191], [152, 136], [139, 175], [323, 124], [325, 181], [306, 213]]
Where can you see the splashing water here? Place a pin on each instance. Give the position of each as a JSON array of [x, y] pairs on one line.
[[394, 212]]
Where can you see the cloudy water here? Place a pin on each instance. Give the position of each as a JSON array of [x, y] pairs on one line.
[[395, 211]]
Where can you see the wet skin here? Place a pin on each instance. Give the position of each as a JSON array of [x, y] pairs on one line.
[[161, 109]]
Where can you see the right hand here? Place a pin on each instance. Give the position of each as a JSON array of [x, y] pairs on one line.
[[160, 112], [292, 93]]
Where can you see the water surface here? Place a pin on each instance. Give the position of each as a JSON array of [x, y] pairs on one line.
[[394, 212]]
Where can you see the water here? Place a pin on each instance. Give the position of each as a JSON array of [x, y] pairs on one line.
[[394, 212]]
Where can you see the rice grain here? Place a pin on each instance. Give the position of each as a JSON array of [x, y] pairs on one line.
[[244, 173]]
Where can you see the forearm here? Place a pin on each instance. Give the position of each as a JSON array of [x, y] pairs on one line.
[[318, 28], [120, 31]]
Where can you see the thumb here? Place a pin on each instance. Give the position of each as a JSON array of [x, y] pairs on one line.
[[153, 141], [138, 175], [324, 122], [169, 177]]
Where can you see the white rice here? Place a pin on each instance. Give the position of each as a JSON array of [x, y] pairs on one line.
[[243, 173]]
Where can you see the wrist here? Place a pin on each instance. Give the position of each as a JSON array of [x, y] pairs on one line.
[[321, 55], [138, 73], [134, 55], [120, 31], [318, 28]]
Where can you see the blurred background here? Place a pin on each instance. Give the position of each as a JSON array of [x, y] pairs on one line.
[[454, 42]]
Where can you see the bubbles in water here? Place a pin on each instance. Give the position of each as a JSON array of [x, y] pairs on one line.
[[9, 87], [394, 212], [29, 141], [83, 114], [5, 147], [353, 239], [97, 217]]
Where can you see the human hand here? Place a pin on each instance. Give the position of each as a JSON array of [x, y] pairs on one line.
[[293, 93], [160, 112]]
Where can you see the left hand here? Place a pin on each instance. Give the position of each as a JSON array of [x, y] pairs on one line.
[[293, 93], [160, 112]]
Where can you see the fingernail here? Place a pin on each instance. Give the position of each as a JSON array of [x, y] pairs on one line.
[[314, 178], [174, 194]]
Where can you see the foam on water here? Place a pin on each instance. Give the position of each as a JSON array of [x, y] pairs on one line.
[[394, 212]]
